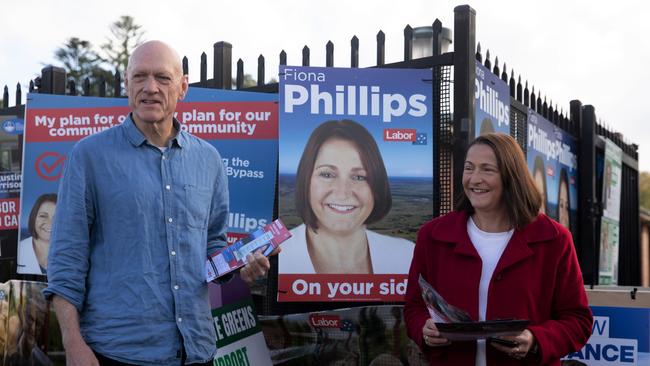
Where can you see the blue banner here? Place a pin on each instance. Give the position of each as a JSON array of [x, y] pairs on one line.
[[620, 336], [242, 126], [552, 160], [492, 98], [356, 167]]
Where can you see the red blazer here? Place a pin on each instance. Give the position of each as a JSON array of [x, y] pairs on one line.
[[537, 278]]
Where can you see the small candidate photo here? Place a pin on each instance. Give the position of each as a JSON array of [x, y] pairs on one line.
[[563, 200], [33, 250], [341, 187], [539, 177]]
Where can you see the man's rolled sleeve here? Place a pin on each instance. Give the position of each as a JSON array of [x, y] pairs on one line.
[[68, 259]]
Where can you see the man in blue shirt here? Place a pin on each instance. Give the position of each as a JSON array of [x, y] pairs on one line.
[[140, 207]]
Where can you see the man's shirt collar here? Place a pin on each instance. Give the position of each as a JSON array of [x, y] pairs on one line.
[[137, 138]]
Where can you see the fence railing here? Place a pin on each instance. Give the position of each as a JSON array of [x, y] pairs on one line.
[[453, 72]]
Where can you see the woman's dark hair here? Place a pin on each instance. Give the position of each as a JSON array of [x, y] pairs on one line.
[[47, 197], [521, 197], [371, 159]]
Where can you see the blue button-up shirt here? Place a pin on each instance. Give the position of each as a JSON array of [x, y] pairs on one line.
[[132, 230]]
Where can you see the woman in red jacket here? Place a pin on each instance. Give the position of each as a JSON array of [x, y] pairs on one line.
[[496, 257]]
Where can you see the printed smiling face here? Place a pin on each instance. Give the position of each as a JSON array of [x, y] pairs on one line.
[[563, 204], [339, 194], [43, 223], [538, 178], [482, 180]]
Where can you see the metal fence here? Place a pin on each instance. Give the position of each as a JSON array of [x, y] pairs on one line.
[[453, 74], [581, 122]]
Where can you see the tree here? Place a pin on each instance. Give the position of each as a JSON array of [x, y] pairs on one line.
[[644, 190], [126, 35], [80, 62]]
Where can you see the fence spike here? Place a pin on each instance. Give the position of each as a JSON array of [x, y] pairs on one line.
[[479, 57], [354, 52], [261, 68], [31, 86], [526, 93], [533, 100], [102, 86], [186, 66], [86, 87], [283, 58], [117, 83], [5, 97], [488, 63], [203, 77], [329, 54], [381, 48], [239, 81], [408, 43], [305, 56], [504, 74], [37, 84], [495, 70], [72, 88]]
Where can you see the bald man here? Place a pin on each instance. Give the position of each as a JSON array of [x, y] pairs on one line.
[[140, 207]]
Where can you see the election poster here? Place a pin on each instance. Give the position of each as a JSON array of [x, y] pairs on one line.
[[609, 222], [552, 161], [239, 335], [620, 337], [356, 167], [11, 130], [492, 101], [242, 126], [363, 336]]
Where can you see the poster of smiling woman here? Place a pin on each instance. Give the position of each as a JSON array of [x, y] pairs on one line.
[[356, 164]]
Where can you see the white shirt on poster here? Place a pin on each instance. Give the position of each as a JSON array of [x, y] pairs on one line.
[[26, 260], [388, 254]]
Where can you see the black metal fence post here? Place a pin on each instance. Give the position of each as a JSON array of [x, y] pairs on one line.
[[464, 79], [587, 245], [52, 80], [222, 65]]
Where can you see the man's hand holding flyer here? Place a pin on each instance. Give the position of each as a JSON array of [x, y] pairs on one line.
[[233, 256]]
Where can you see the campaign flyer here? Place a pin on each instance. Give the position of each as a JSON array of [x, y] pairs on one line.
[[235, 255], [242, 126], [552, 160], [492, 101], [356, 168]]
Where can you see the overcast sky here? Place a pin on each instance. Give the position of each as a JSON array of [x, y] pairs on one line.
[[595, 51]]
